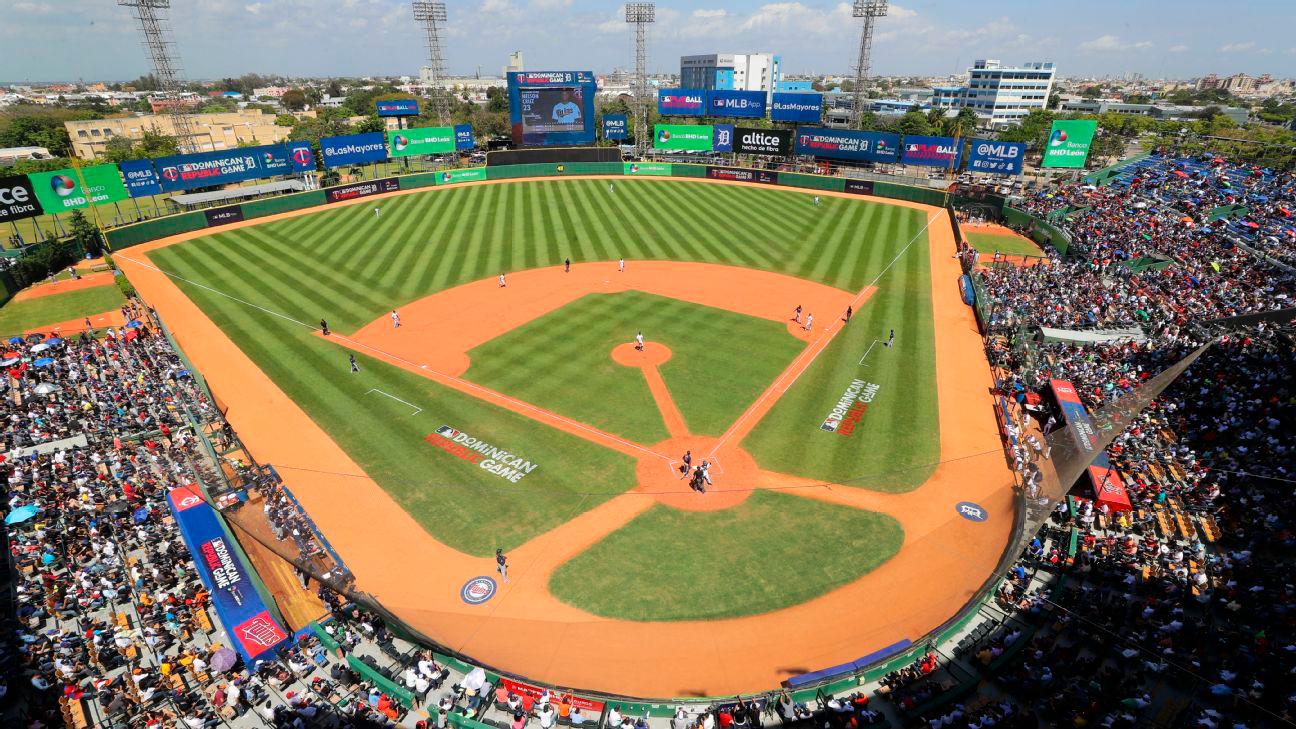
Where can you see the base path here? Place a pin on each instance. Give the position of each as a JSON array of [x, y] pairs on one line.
[[102, 321], [944, 560], [88, 281]]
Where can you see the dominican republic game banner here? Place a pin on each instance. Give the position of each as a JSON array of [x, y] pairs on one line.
[[243, 614]]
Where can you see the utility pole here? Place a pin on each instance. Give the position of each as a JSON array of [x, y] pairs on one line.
[[640, 15], [430, 14], [151, 15], [869, 10]]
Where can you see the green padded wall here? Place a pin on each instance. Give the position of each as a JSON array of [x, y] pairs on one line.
[[273, 205], [131, 235]]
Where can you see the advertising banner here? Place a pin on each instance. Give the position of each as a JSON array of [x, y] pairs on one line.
[[647, 169], [226, 574], [616, 126], [303, 159], [353, 149], [846, 144], [18, 199], [361, 189], [763, 141], [681, 102], [859, 187], [722, 138], [464, 137], [424, 140], [1068, 143], [61, 190], [1000, 158], [275, 160], [791, 107], [221, 216], [692, 137], [449, 177], [397, 107], [1107, 484], [188, 171], [749, 104], [740, 174], [931, 151], [589, 706], [141, 178]]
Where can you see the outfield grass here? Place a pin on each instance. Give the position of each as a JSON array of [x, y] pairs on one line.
[[347, 266], [1013, 245], [572, 348], [770, 552], [19, 316]]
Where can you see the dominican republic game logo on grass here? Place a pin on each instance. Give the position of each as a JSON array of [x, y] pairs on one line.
[[497, 460], [850, 407]]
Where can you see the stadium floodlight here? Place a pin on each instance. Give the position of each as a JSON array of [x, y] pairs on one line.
[[166, 65], [869, 10], [640, 15], [431, 14]]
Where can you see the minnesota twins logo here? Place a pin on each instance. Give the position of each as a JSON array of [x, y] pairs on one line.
[[478, 590]]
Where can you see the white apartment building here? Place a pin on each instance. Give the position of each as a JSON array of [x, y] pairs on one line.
[[732, 71], [1001, 95]]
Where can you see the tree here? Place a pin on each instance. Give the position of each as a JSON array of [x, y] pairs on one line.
[[285, 120], [293, 100], [371, 123], [85, 233], [914, 122]]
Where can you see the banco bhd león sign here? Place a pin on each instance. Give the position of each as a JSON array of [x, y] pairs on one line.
[[508, 466]]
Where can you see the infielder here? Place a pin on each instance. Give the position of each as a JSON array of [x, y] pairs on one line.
[[502, 284], [621, 265], [809, 321], [395, 319]]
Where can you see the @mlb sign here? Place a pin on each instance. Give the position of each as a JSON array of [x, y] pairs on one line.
[[971, 511]]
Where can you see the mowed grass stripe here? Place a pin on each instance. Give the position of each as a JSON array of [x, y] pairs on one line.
[[580, 245], [627, 240], [413, 238], [607, 245], [711, 237], [652, 204], [422, 269], [389, 237], [497, 240], [519, 211], [659, 243], [831, 247], [450, 267]]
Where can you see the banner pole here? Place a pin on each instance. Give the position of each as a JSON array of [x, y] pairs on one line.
[[76, 167]]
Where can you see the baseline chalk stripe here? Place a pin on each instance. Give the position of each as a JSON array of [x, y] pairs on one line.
[[417, 409], [866, 353]]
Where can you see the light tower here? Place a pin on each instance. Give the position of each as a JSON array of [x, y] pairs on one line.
[[640, 15], [151, 15], [430, 14], [868, 10]]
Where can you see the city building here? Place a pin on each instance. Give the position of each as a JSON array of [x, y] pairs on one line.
[[211, 131], [1002, 95], [514, 64], [10, 156], [1238, 114], [793, 86], [732, 71]]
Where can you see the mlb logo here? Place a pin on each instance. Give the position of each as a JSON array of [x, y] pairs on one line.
[[446, 431], [830, 427]]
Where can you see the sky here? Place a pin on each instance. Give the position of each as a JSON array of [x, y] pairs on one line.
[[55, 40]]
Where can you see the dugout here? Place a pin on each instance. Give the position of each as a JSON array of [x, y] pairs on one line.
[[555, 155]]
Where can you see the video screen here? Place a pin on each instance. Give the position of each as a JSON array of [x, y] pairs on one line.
[[552, 109]]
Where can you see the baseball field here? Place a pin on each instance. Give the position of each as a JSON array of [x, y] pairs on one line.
[[521, 416]]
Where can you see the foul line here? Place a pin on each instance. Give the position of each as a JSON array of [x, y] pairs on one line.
[[486, 394], [801, 363], [417, 409], [866, 353]]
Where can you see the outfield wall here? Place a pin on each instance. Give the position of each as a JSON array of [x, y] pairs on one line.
[[130, 235]]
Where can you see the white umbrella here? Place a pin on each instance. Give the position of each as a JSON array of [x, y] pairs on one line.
[[46, 388], [475, 679], [40, 347], [10, 361]]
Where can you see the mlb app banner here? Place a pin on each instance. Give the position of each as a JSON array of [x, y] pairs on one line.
[[722, 138], [846, 144], [1068, 143], [763, 141], [60, 190], [686, 137], [464, 137], [425, 140], [187, 171], [303, 159], [931, 151], [353, 149], [681, 102], [18, 199], [242, 612], [747, 104], [794, 107], [141, 178], [616, 126], [397, 107], [1001, 158]]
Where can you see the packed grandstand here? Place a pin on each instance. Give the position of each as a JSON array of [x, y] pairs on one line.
[[1173, 612]]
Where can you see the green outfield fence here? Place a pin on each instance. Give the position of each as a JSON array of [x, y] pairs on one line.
[[142, 232], [1040, 231]]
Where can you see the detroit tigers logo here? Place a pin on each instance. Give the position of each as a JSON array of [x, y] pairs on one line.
[[971, 511]]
